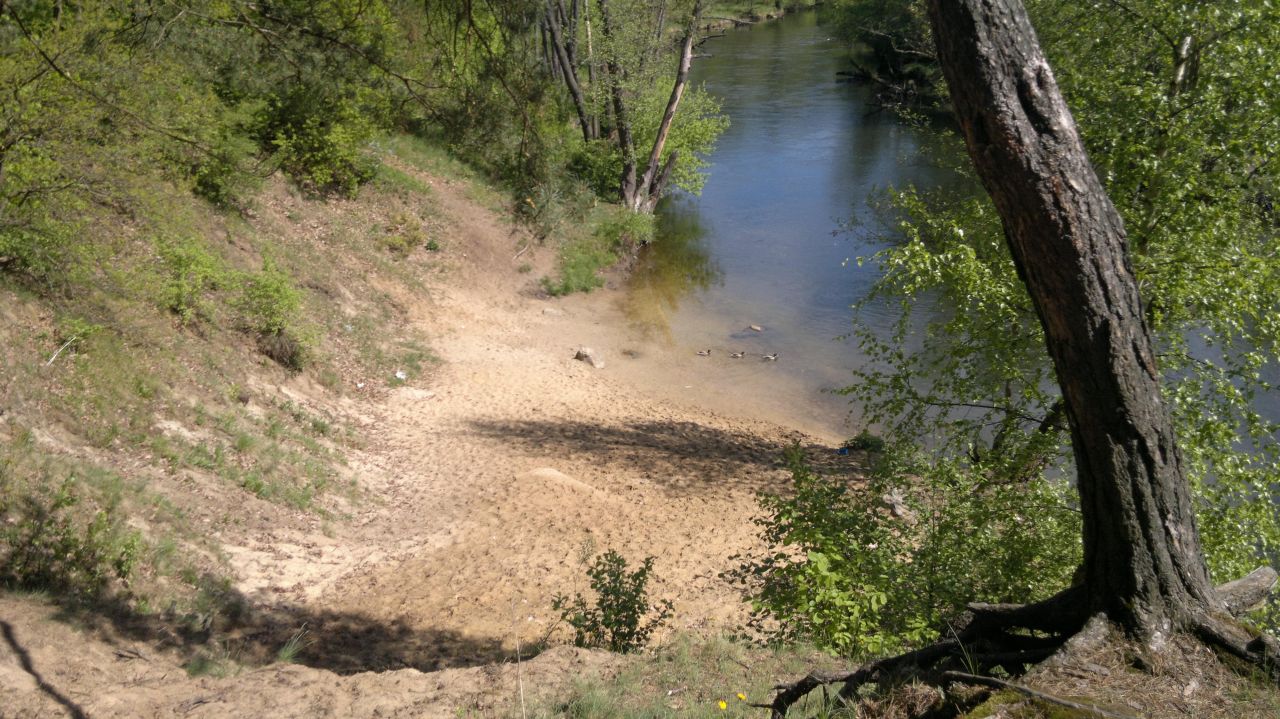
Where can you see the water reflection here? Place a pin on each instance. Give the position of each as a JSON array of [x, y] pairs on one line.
[[764, 243], [663, 276]]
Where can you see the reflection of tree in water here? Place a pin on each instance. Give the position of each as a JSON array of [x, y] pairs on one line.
[[676, 264]]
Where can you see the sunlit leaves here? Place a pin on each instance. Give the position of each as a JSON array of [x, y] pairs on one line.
[[1179, 107]]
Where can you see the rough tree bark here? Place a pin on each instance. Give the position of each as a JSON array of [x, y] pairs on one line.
[[1143, 566]]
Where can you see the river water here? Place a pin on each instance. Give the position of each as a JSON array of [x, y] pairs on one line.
[[768, 242], [773, 239]]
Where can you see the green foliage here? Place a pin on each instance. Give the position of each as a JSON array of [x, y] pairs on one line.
[[583, 256], [865, 441], [50, 541], [190, 272], [269, 305], [322, 144], [693, 134], [871, 569], [1183, 148], [269, 301], [622, 617], [221, 178]]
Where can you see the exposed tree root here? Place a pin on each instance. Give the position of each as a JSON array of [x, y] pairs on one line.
[[962, 678], [1015, 637]]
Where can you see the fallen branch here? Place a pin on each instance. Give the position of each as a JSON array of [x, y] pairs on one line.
[[63, 347]]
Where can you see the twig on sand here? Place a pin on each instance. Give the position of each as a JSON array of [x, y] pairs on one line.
[[515, 625], [63, 347]]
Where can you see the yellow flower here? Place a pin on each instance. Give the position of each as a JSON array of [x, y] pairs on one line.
[[723, 705], [742, 697]]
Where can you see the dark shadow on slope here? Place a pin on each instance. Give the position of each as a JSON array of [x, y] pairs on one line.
[[682, 457], [24, 658], [341, 642]]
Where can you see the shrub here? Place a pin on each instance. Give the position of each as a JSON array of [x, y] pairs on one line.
[[45, 544], [190, 272], [323, 143], [866, 442], [269, 304], [617, 619], [220, 176], [878, 567]]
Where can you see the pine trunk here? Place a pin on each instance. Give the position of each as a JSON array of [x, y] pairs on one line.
[[1143, 565]]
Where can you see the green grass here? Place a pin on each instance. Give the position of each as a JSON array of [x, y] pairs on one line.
[[689, 677], [288, 652], [395, 180], [609, 232]]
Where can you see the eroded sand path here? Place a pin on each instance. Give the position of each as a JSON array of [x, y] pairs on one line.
[[485, 485]]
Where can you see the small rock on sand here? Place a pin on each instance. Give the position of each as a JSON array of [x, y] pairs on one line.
[[755, 328], [590, 356]]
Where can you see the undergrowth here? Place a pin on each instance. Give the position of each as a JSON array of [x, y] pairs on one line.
[[693, 677], [607, 235]]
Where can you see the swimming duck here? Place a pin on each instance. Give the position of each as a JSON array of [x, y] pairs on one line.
[[704, 353], [737, 355], [770, 357]]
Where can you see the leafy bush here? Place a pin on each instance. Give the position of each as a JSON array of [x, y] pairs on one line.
[[269, 305], [220, 177], [875, 568], [617, 619], [190, 272], [323, 143], [45, 544], [599, 165]]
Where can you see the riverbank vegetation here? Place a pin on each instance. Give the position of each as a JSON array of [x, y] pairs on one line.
[[188, 189], [1177, 111], [165, 171]]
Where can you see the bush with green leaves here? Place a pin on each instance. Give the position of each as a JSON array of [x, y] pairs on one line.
[[190, 272], [269, 305], [622, 617], [870, 568], [47, 542], [322, 142]]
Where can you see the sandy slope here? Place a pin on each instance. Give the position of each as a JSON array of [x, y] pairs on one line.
[[488, 482]]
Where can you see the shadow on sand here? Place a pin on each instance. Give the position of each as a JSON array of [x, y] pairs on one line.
[[682, 457]]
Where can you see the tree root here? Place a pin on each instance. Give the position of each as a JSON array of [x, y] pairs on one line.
[[962, 678], [1015, 637]]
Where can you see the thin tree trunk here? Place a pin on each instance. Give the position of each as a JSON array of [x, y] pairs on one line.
[[1143, 565], [656, 176], [622, 121], [570, 73], [591, 64]]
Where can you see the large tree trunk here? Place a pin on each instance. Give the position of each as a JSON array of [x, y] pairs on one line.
[[1143, 565]]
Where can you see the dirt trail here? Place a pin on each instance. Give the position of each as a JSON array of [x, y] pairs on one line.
[[487, 483]]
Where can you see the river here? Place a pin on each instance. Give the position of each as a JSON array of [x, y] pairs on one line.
[[768, 241]]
